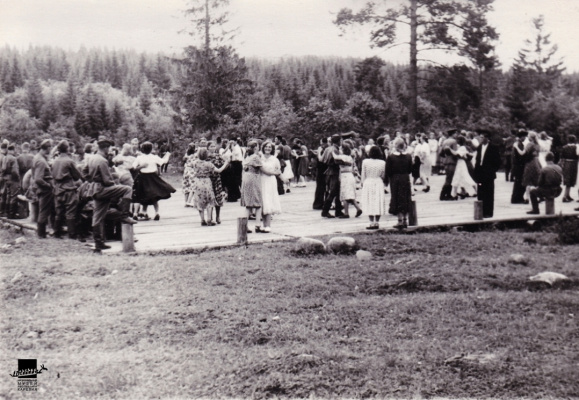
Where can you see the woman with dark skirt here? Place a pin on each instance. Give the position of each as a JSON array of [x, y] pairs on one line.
[[518, 168], [532, 165], [399, 169], [149, 188], [320, 177], [568, 162]]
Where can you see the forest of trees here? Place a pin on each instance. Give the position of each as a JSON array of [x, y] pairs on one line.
[[211, 91]]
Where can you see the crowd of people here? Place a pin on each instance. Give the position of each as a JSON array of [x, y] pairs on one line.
[[94, 193], [115, 184]]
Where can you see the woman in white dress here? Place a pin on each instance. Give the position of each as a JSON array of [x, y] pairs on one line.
[[462, 178], [433, 144], [373, 175], [270, 203], [422, 151]]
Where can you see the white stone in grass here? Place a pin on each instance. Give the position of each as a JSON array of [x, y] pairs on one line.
[[32, 335], [363, 255], [20, 240], [310, 246], [114, 272], [17, 277], [549, 277], [342, 245], [518, 259]]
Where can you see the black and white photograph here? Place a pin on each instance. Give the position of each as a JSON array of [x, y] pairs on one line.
[[287, 199]]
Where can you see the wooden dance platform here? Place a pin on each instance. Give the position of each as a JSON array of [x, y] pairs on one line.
[[180, 229]]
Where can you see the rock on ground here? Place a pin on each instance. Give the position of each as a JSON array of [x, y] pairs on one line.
[[549, 277], [342, 245], [518, 259], [310, 246]]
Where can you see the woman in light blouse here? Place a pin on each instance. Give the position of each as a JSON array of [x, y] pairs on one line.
[[149, 188]]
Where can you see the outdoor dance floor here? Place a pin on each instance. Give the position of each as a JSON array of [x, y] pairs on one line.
[[179, 228]]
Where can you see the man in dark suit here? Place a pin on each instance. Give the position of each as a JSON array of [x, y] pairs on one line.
[[488, 162], [449, 163]]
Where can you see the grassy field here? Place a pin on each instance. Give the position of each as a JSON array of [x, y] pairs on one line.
[[432, 315]]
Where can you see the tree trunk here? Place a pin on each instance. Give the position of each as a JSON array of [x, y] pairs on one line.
[[412, 109], [207, 23]]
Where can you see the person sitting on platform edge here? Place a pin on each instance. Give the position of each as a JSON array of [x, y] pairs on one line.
[[549, 186], [97, 171]]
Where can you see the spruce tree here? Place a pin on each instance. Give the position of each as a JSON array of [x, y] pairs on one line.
[[35, 97]]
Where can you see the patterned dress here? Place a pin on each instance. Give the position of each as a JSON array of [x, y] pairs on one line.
[[220, 193], [188, 175], [251, 182], [203, 194], [373, 199]]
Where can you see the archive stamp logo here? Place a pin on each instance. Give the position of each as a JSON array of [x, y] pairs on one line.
[[27, 375]]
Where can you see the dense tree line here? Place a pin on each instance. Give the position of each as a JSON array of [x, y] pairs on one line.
[[214, 92]]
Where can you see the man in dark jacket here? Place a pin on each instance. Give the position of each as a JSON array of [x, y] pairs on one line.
[[549, 186], [450, 161], [487, 163], [98, 172], [66, 175], [332, 179], [11, 178], [43, 185]]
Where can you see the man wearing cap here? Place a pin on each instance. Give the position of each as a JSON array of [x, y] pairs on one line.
[[11, 178], [449, 164], [24, 159], [43, 185], [98, 172], [332, 179], [66, 176], [487, 163]]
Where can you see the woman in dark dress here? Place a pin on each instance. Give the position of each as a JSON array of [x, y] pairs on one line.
[[568, 162], [398, 170], [320, 177], [518, 168]]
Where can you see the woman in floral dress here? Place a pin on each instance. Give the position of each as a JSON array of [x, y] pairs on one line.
[[189, 158], [220, 193], [251, 182], [203, 194]]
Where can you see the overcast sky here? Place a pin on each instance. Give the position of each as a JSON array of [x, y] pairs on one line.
[[268, 28]]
